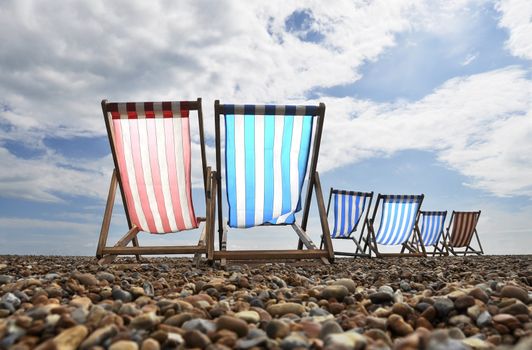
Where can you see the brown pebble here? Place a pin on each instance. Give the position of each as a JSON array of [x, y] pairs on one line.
[[124, 345], [196, 339], [399, 326], [150, 344], [236, 325], [515, 292]]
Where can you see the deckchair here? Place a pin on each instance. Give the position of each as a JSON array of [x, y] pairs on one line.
[[464, 226], [349, 207], [151, 147], [267, 149], [432, 226], [399, 221]]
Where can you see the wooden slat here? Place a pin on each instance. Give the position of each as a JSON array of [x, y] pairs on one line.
[[304, 237], [211, 207], [323, 218], [102, 241], [151, 250], [270, 254]]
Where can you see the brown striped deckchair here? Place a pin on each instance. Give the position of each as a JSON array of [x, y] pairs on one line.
[[151, 147], [462, 227]]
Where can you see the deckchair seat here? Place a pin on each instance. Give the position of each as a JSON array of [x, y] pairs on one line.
[[348, 209], [398, 217], [462, 228], [267, 152], [151, 148], [398, 223], [152, 145], [432, 225]]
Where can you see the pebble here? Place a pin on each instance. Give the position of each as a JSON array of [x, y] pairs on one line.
[[204, 326], [348, 283], [124, 345], [443, 306], [398, 325], [99, 336], [479, 294], [277, 329], [515, 292], [70, 338], [103, 275], [196, 339], [483, 319], [146, 321], [285, 308], [515, 309], [87, 279], [338, 292], [347, 340], [150, 344], [294, 341], [330, 327], [381, 297], [399, 304], [248, 316], [463, 302], [236, 325]]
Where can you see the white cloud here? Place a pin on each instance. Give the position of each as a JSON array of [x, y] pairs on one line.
[[470, 58], [480, 125], [58, 60], [517, 18], [51, 177]]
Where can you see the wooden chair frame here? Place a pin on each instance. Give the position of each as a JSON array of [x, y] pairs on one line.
[[439, 247], [107, 254], [312, 252], [359, 252], [370, 240], [468, 249]]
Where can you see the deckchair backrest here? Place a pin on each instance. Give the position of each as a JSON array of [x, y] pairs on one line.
[[464, 225], [348, 208], [266, 156], [398, 217], [432, 224], [152, 152]]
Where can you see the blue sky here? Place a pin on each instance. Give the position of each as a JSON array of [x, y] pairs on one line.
[[422, 97]]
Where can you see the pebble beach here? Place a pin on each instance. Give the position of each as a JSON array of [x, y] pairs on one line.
[[168, 303]]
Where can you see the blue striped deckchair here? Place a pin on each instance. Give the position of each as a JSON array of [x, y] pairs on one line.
[[267, 149], [432, 226], [399, 216], [348, 209]]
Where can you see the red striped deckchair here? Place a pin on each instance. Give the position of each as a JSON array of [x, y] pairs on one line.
[[151, 147], [464, 226]]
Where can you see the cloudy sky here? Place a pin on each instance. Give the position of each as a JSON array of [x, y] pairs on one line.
[[422, 97]]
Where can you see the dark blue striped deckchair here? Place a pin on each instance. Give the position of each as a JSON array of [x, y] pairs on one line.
[[267, 153], [464, 227], [432, 226], [348, 209], [398, 223]]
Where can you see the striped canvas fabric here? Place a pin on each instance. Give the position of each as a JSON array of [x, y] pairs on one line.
[[152, 146], [266, 155], [432, 226], [348, 209], [397, 219], [463, 228]]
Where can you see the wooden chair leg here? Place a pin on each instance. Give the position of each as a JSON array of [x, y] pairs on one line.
[[197, 257], [104, 232], [135, 242], [128, 237]]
